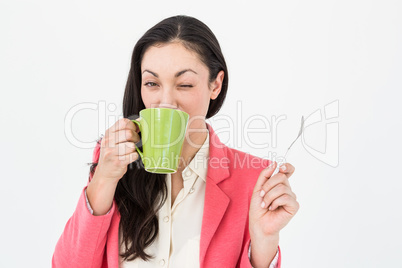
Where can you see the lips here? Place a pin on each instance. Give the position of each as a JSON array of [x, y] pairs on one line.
[[167, 106]]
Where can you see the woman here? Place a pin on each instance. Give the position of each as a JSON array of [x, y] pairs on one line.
[[225, 212]]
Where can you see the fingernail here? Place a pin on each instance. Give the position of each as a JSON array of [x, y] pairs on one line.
[[262, 193], [270, 208], [283, 168], [263, 204]]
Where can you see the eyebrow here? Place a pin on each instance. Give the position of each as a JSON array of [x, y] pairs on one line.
[[176, 75]]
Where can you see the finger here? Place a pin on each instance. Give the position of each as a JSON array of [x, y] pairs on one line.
[[265, 174], [287, 169], [130, 158], [123, 123], [287, 202], [125, 135], [276, 179], [277, 191], [124, 148]]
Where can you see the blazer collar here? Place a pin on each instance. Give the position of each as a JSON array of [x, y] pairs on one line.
[[216, 201], [218, 166]]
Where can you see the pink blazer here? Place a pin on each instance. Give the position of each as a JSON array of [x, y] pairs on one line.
[[92, 241]]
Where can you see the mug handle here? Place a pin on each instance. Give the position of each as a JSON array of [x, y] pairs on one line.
[[138, 149]]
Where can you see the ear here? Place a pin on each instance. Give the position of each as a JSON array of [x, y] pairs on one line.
[[216, 85]]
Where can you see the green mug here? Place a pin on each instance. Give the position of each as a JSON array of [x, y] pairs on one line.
[[162, 133]]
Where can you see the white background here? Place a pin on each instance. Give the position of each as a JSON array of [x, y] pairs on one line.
[[286, 58]]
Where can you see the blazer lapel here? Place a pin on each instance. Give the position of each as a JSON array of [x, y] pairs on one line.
[[216, 201]]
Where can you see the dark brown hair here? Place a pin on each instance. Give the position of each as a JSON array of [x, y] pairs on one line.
[[139, 194]]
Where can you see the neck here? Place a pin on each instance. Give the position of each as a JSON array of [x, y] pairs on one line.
[[195, 138]]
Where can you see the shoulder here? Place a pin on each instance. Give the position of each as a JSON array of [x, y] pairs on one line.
[[244, 162], [244, 168]]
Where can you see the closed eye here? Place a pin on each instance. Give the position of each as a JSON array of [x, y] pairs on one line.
[[152, 84]]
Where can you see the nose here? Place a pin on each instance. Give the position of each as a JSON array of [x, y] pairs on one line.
[[167, 99]]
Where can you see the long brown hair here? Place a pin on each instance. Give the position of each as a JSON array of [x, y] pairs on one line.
[[139, 194]]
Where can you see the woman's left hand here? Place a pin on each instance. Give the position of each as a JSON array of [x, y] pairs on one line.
[[273, 204]]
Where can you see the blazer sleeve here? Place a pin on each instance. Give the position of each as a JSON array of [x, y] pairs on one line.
[[83, 241]]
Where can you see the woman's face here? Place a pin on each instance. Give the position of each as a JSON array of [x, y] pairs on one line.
[[175, 77]]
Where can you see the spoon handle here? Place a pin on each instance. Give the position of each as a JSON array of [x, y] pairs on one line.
[[284, 158], [280, 163]]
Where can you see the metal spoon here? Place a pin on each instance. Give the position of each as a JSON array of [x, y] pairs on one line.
[[284, 158]]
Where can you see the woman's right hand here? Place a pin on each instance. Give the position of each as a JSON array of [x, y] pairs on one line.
[[116, 152]]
